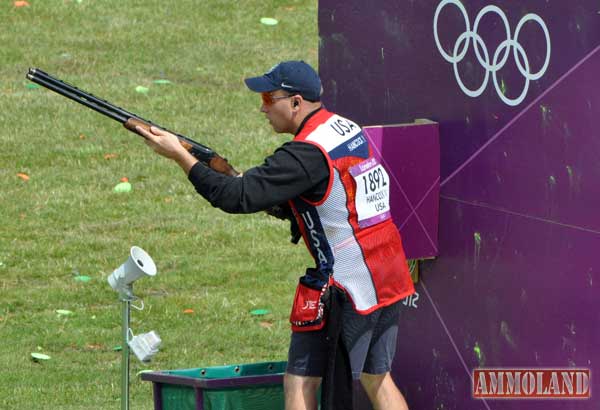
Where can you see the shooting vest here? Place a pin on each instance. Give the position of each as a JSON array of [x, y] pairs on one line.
[[350, 232]]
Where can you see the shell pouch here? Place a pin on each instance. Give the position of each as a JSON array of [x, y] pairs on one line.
[[308, 310]]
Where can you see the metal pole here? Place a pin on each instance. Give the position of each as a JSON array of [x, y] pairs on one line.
[[125, 351]]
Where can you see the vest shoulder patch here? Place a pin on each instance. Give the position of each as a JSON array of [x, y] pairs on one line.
[[340, 137]]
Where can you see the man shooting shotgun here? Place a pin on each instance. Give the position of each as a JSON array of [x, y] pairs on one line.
[[346, 308]]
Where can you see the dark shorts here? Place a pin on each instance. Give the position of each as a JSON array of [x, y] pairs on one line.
[[370, 340]]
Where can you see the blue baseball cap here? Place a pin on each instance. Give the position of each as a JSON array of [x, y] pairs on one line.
[[295, 77]]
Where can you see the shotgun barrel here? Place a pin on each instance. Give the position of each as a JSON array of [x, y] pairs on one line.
[[37, 74], [74, 94], [130, 120]]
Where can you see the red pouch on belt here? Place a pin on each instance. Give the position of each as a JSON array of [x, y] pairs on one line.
[[308, 311]]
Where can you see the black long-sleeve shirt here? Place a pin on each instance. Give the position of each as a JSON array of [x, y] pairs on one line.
[[294, 169]]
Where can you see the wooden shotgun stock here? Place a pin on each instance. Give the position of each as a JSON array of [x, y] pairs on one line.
[[215, 162]]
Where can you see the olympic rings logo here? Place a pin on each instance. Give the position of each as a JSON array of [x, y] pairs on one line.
[[497, 63]]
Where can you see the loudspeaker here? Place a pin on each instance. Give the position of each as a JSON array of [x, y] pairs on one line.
[[137, 265]]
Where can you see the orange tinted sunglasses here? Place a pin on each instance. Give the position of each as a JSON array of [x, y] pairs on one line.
[[268, 99]]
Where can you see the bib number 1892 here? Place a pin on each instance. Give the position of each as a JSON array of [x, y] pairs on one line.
[[372, 192], [374, 180]]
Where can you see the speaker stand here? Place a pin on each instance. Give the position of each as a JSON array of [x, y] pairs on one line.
[[126, 296]]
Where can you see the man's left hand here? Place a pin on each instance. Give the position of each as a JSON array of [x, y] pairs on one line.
[[163, 142], [169, 146]]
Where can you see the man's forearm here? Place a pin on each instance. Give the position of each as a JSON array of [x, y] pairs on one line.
[[186, 161]]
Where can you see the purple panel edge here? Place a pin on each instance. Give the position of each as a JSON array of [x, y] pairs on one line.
[[428, 141]]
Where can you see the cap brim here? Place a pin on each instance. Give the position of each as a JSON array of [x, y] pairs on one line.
[[260, 84]]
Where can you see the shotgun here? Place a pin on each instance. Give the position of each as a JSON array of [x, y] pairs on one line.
[[129, 120]]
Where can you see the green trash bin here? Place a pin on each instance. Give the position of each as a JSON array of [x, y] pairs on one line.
[[253, 386]]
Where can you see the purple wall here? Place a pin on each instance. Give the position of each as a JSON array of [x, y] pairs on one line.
[[516, 283]]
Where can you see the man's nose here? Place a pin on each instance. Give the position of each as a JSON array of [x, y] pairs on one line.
[[263, 108]]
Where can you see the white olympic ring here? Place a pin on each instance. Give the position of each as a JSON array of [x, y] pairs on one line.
[[493, 68]]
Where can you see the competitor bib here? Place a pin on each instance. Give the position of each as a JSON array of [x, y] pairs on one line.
[[372, 192]]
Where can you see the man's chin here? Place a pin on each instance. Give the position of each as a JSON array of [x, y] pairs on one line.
[[275, 128]]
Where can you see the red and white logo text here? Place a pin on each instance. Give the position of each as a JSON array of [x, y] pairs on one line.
[[531, 383]]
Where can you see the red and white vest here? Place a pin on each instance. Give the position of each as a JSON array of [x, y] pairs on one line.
[[350, 232]]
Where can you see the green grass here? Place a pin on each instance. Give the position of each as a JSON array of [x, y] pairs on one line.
[[66, 220]]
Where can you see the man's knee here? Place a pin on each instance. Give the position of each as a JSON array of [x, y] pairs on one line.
[[377, 385], [293, 381], [373, 382], [300, 391], [382, 391]]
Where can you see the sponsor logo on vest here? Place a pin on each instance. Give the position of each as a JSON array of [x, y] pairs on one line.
[[531, 383], [355, 143], [342, 126], [314, 236]]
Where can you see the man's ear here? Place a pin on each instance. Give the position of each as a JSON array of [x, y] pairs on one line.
[[296, 100]]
